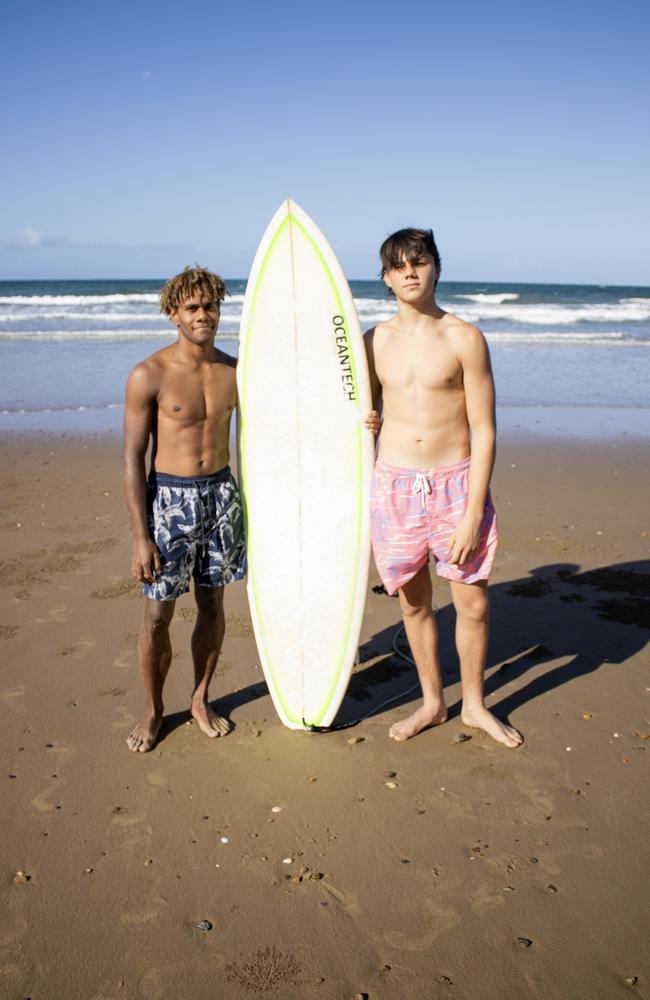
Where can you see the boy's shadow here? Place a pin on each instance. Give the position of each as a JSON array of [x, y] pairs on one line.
[[594, 617]]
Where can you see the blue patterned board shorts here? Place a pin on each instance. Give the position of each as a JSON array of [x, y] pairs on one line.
[[197, 525]]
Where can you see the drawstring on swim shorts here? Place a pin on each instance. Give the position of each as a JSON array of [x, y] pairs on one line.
[[422, 486]]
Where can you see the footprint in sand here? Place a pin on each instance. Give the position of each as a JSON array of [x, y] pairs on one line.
[[119, 588], [158, 779], [77, 649], [125, 660], [8, 631], [405, 940], [58, 614], [123, 819], [9, 699], [126, 718], [41, 802]]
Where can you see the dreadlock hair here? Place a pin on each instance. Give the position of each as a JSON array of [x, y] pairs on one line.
[[408, 244], [192, 279]]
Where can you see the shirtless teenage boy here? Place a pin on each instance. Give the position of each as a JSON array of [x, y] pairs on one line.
[[431, 373], [186, 517]]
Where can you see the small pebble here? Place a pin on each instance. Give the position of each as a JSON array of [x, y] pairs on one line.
[[461, 738], [551, 888], [390, 784], [276, 809], [89, 870], [224, 840], [355, 739], [523, 942], [631, 980], [21, 877], [287, 861], [204, 925]]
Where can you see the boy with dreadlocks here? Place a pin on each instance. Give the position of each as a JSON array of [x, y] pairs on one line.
[[431, 373], [186, 517]]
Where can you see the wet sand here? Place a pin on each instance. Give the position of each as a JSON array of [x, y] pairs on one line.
[[343, 864]]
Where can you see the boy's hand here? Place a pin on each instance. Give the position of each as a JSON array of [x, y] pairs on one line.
[[373, 422], [464, 542], [145, 560]]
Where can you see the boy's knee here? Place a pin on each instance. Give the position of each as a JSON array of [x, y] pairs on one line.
[[157, 616], [475, 610]]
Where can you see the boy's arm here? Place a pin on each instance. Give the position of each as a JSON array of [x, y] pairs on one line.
[[373, 419], [480, 404], [138, 412]]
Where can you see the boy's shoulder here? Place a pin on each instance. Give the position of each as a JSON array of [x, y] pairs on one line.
[[154, 362], [461, 332]]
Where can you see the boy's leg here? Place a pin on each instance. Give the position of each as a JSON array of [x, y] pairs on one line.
[[207, 639], [155, 656], [472, 623], [422, 632]]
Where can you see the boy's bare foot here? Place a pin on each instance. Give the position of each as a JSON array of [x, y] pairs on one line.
[[422, 718], [143, 737], [481, 718], [209, 722]]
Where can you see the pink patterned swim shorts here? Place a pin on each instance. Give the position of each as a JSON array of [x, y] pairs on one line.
[[414, 512]]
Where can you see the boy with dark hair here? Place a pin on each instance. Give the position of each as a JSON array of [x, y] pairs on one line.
[[430, 371], [186, 517]]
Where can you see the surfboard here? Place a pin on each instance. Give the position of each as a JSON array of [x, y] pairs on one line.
[[305, 463]]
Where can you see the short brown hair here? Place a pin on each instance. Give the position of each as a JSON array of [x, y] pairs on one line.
[[408, 244], [192, 279]]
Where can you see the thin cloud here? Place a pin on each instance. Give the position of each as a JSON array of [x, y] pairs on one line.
[[146, 75], [28, 237], [33, 239]]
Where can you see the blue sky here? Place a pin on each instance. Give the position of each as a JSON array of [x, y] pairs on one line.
[[140, 137]]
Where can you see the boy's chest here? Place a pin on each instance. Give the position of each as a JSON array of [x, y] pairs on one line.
[[190, 397], [427, 362]]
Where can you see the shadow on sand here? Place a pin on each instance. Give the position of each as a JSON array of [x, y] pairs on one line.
[[557, 612]]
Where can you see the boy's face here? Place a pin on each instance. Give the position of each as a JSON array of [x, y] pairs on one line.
[[412, 280], [197, 318]]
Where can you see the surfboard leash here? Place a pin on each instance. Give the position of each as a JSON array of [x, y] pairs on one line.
[[355, 722]]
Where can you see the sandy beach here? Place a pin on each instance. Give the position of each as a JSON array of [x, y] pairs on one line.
[[337, 865]]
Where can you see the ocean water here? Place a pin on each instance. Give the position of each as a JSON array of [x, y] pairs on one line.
[[567, 359]]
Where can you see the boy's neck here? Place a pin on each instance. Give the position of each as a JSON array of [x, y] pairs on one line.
[[411, 312]]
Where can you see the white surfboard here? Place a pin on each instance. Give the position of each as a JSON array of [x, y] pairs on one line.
[[305, 466]]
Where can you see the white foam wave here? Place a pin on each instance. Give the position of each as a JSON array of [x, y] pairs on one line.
[[544, 314], [61, 409], [76, 300], [91, 317], [84, 300], [496, 297], [103, 335], [614, 338]]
